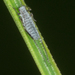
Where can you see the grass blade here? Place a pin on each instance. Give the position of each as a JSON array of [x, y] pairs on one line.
[[42, 58]]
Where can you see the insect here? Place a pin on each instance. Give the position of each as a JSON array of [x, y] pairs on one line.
[[28, 23], [30, 28]]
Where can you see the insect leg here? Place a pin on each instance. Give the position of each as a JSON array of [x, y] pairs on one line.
[[32, 17], [28, 8]]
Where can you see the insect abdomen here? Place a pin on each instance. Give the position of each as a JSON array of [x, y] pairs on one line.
[[31, 29]]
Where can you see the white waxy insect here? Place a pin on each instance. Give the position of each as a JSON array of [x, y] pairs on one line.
[[28, 23]]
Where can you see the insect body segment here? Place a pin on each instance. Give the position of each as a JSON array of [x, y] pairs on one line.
[[28, 23]]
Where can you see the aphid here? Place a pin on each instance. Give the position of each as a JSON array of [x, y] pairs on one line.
[[30, 28]]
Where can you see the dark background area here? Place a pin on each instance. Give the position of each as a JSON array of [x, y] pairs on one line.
[[56, 22]]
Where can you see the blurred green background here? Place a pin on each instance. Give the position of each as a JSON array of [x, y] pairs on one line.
[[56, 22]]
